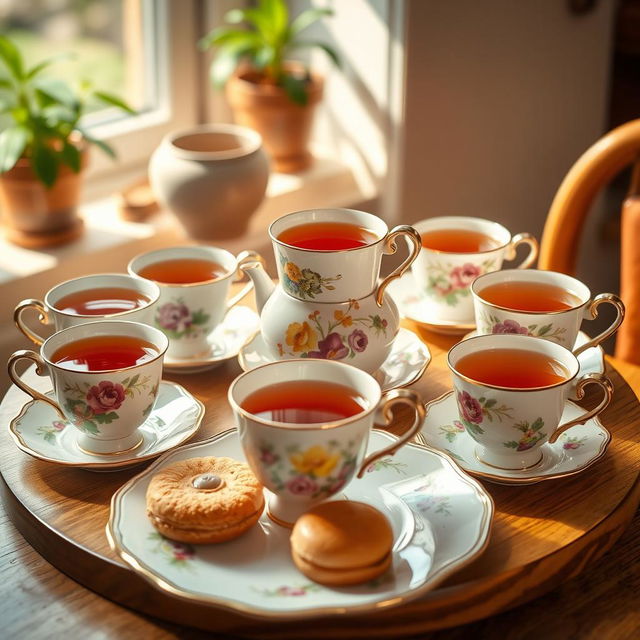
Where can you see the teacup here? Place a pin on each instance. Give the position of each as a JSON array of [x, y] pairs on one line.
[[302, 464], [50, 311], [511, 421], [106, 405], [571, 299], [338, 274], [445, 276], [188, 312]]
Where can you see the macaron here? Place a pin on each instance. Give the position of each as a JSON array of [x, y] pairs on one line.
[[342, 543], [204, 500]]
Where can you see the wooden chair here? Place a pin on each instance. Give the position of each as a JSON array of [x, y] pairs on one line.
[[615, 151]]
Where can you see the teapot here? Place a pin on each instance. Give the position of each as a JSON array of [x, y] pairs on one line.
[[330, 304]]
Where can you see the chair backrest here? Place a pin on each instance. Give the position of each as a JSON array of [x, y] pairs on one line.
[[561, 236]]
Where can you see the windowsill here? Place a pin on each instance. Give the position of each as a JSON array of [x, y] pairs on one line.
[[326, 184]]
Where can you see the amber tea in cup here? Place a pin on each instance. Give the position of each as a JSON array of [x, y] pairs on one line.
[[458, 241], [183, 271], [327, 236], [512, 368], [101, 301], [305, 402], [104, 353], [523, 295]]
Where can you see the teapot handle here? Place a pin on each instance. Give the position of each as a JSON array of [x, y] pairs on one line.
[[390, 248], [244, 257]]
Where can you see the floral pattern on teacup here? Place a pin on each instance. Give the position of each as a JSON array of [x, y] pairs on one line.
[[573, 442], [178, 554], [451, 431], [318, 471], [387, 463], [531, 435], [89, 406], [474, 411], [313, 340], [492, 324], [50, 432], [304, 283], [448, 283], [289, 591], [176, 320]]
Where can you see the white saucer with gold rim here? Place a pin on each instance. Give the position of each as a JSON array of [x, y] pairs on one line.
[[175, 417], [225, 342], [414, 305], [440, 518], [575, 450], [405, 364]]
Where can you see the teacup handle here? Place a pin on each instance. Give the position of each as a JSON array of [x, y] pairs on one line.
[[393, 398], [592, 310], [589, 378], [43, 317], [41, 370], [242, 258], [390, 248], [516, 241]]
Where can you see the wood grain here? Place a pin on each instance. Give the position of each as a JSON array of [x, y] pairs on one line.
[[542, 536]]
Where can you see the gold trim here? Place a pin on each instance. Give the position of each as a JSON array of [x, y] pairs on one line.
[[283, 523], [23, 446], [496, 466], [475, 548], [509, 480], [111, 453]]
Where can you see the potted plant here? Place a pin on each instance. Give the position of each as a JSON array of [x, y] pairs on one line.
[[43, 150], [266, 89]]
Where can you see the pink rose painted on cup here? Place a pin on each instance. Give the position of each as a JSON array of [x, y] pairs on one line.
[[463, 276], [302, 486], [105, 396], [469, 408], [174, 317], [358, 340], [509, 327]]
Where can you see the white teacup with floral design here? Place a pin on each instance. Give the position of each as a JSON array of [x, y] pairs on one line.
[[106, 406], [187, 313], [561, 326], [445, 277], [510, 424], [140, 300], [339, 275], [303, 464]]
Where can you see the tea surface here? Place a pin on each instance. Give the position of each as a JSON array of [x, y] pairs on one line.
[[304, 402], [102, 353], [183, 271], [457, 241], [514, 368], [327, 236], [102, 301], [529, 296]]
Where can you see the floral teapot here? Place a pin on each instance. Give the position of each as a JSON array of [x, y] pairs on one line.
[[330, 304]]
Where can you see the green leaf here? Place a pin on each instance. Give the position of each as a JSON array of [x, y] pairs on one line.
[[310, 44], [537, 425], [307, 18], [57, 113], [296, 89], [134, 380], [114, 101], [105, 418], [235, 16], [511, 445], [545, 329], [99, 143], [13, 142], [224, 35], [10, 55], [5, 84], [34, 71], [70, 156], [45, 164], [225, 63], [276, 14], [57, 91], [91, 427], [490, 403]]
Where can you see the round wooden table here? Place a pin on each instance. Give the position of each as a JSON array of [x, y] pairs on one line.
[[542, 535]]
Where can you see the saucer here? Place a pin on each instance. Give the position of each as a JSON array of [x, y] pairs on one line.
[[175, 417], [405, 364], [440, 518], [415, 306], [575, 450], [591, 360], [225, 340]]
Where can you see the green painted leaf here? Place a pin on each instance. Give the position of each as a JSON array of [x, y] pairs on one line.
[[90, 427], [134, 380], [511, 445], [13, 142], [544, 330], [105, 418], [538, 424], [490, 403]]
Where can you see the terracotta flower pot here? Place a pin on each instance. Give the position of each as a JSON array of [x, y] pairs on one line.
[[211, 177], [36, 216], [285, 126]]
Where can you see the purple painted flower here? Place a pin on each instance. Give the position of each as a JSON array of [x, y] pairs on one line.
[[105, 396], [463, 276], [509, 326], [268, 457], [174, 317], [182, 551], [331, 348], [469, 408], [302, 486], [358, 340]]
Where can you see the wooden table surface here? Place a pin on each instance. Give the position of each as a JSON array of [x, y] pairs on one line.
[[603, 601]]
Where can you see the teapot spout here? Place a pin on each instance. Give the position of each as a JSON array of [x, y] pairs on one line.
[[252, 264]]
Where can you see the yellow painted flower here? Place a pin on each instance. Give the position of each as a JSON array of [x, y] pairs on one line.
[[344, 319], [315, 460], [301, 337], [293, 271]]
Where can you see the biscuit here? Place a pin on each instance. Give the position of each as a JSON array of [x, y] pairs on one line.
[[204, 500], [342, 543]]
